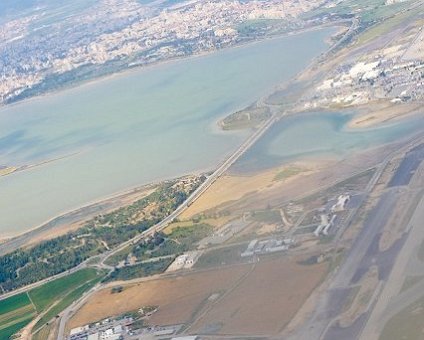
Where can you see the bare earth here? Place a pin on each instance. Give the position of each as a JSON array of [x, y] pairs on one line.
[[233, 187], [266, 300], [246, 303], [177, 298]]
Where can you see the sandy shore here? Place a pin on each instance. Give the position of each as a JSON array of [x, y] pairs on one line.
[[374, 114], [230, 187], [73, 219]]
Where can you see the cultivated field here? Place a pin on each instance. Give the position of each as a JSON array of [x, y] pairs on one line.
[[177, 298], [43, 302], [259, 298], [15, 313], [265, 301]]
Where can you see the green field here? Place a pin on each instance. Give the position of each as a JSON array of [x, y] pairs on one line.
[[51, 298], [385, 26], [43, 333], [221, 256], [67, 300], [287, 173], [369, 11], [13, 303], [7, 332], [47, 294], [15, 313]]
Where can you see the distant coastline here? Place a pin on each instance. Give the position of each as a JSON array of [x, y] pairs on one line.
[[130, 69]]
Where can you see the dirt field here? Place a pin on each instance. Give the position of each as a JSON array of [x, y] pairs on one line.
[[232, 187], [265, 301], [177, 298], [259, 299]]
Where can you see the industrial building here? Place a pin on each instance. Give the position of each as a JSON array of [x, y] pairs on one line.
[[267, 246], [184, 261]]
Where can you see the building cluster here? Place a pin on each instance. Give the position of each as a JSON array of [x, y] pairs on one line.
[[104, 330], [34, 53], [122, 329], [184, 261], [256, 247], [224, 233], [395, 73], [328, 217]]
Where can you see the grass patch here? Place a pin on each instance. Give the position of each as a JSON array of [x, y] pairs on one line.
[[267, 216], [305, 230], [218, 257], [15, 313], [369, 11], [287, 173], [353, 292], [7, 332], [43, 333], [47, 294], [180, 239], [335, 260], [245, 119], [13, 303], [182, 224], [383, 27], [67, 300], [410, 281], [140, 270], [355, 183]]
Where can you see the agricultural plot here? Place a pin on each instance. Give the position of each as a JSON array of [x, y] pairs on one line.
[[264, 301], [47, 294], [178, 298], [369, 11], [47, 301], [15, 313]]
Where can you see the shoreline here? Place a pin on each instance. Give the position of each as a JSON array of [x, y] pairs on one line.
[[156, 64], [121, 195], [371, 115], [380, 113], [7, 238]]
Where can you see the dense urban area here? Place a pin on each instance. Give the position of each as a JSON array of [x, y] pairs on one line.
[[40, 52]]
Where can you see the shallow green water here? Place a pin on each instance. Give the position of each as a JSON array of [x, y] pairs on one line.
[[319, 133]]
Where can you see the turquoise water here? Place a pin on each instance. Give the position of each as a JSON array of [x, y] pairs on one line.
[[135, 128], [319, 133]]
